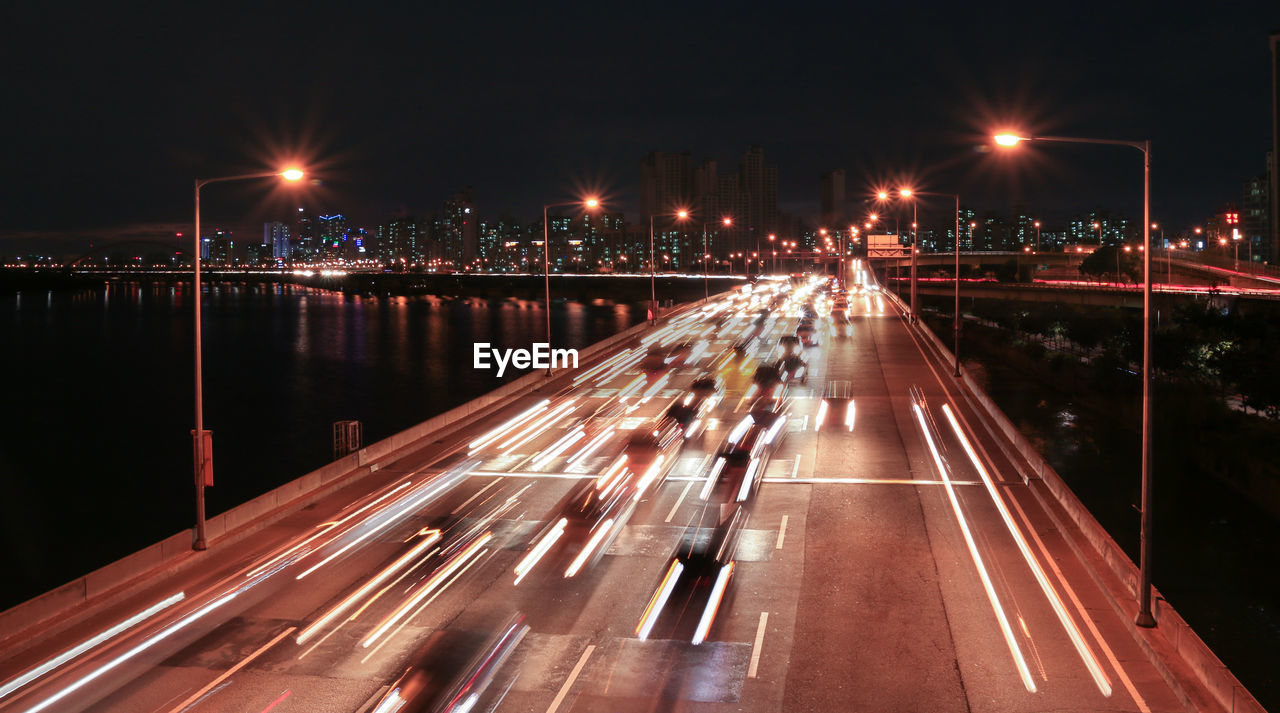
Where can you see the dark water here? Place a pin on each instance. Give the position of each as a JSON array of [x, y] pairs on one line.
[[98, 405]]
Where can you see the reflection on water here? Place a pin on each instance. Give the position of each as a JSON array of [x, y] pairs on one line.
[[95, 437]]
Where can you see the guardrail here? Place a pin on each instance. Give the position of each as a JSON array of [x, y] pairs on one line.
[[1172, 635], [112, 582]]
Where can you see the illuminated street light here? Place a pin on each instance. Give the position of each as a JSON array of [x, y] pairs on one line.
[[681, 215], [1145, 617], [590, 204], [202, 440]]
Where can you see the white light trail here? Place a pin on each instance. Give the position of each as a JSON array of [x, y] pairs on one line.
[[531, 559], [87, 644], [172, 629], [1003, 620], [498, 432], [713, 604], [659, 600], [1077, 639], [536, 427], [592, 544], [306, 634], [559, 447], [439, 576], [590, 447]]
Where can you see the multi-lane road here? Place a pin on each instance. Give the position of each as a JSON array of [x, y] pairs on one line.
[[900, 564]]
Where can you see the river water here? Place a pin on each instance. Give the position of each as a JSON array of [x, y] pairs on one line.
[[95, 445]]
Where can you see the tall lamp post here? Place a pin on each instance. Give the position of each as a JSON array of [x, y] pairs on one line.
[[681, 215], [1144, 618], [1037, 225], [590, 204], [706, 257], [772, 239], [202, 440], [955, 327]]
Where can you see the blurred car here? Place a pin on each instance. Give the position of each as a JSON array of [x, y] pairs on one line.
[[807, 334], [586, 522], [695, 585], [652, 449], [837, 407], [655, 360], [793, 368], [789, 344], [766, 375], [423, 687], [691, 411], [708, 385]]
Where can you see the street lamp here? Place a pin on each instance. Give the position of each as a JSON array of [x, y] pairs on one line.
[[1144, 618], [1037, 226], [590, 204], [773, 238], [955, 327], [706, 256], [202, 440], [681, 215]]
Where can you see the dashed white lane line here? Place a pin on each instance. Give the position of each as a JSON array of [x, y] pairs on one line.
[[782, 532], [679, 500], [755, 648], [573, 676], [795, 465]]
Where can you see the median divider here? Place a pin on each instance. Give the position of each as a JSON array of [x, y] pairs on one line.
[[1172, 646], [74, 601]]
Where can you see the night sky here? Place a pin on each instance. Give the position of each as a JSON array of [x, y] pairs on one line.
[[110, 112]]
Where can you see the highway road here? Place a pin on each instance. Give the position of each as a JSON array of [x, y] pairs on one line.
[[893, 562]]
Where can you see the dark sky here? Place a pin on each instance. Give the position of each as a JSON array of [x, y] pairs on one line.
[[111, 111]]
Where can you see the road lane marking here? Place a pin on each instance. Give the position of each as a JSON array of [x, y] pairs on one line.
[[782, 532], [278, 701], [755, 648], [795, 465], [573, 676], [479, 492], [231, 671], [680, 499]]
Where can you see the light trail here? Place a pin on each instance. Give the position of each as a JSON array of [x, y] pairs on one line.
[[147, 643], [498, 432], [713, 604], [1073, 632], [434, 581], [526, 565], [659, 600], [559, 447], [533, 430], [576, 565], [590, 447], [1016, 651], [341, 607], [87, 644]]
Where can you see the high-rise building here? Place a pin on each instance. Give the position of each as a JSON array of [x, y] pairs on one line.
[[307, 246], [1273, 249], [275, 240], [400, 241], [332, 235], [1098, 225], [456, 232], [1255, 218], [666, 182], [833, 198]]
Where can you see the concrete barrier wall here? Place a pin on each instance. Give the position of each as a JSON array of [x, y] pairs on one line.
[[112, 581], [1194, 654]]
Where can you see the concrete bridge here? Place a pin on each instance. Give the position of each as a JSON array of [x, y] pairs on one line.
[[925, 557]]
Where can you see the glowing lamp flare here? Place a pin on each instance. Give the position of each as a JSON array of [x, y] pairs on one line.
[[1008, 139], [292, 174]]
